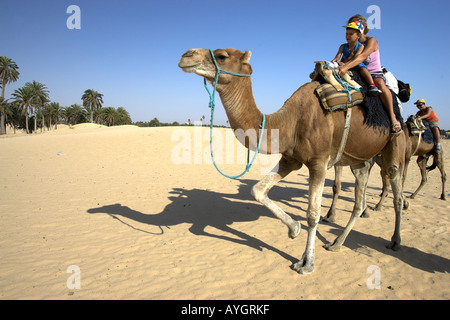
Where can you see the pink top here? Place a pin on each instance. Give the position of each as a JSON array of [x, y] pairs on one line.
[[373, 62]]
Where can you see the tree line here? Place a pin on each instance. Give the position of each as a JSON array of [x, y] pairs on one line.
[[30, 107], [156, 123]]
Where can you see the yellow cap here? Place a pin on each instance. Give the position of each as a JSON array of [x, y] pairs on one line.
[[420, 101]]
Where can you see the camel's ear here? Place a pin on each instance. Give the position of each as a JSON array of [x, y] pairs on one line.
[[247, 56]]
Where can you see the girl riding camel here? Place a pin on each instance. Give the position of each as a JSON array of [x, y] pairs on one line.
[[353, 33], [370, 55]]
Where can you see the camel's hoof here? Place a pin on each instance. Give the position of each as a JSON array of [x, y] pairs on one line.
[[405, 205], [332, 247], [294, 233], [365, 214], [377, 208], [443, 197], [303, 268], [412, 196], [393, 245], [327, 219]]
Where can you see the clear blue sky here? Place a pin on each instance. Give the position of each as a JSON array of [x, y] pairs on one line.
[[128, 50]]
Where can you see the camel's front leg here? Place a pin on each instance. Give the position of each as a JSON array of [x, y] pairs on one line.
[[261, 189], [361, 179], [316, 184]]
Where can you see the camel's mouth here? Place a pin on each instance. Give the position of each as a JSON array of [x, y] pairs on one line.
[[188, 67]]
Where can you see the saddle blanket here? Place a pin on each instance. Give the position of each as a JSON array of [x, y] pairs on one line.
[[332, 99]]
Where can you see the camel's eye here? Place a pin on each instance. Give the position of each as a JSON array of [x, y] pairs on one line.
[[222, 57]]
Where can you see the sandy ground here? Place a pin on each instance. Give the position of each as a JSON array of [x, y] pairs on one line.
[[133, 213]]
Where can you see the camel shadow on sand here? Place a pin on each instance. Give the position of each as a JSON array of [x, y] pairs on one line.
[[206, 208]]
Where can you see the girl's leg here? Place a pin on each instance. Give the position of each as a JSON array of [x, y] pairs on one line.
[[386, 98]]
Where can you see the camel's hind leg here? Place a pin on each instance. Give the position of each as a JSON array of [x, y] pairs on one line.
[[385, 189], [422, 163], [439, 158], [361, 178], [261, 189], [394, 164], [331, 215]]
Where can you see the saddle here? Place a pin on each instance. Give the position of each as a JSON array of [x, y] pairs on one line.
[[332, 99], [337, 93], [416, 126]]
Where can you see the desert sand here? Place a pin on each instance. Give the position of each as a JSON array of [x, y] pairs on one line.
[[92, 212]]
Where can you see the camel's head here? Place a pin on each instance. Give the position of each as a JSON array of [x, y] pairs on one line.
[[199, 61]]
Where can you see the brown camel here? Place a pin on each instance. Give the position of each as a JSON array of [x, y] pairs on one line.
[[415, 146], [307, 135]]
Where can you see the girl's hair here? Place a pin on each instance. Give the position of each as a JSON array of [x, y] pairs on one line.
[[359, 18]]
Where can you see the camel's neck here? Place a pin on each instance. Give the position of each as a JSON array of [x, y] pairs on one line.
[[243, 114], [237, 99]]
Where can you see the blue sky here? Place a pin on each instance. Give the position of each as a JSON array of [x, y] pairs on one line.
[[128, 50]]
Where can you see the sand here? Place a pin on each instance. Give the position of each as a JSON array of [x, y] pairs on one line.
[[92, 212]]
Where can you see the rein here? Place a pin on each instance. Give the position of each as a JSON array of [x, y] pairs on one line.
[[212, 106], [348, 119]]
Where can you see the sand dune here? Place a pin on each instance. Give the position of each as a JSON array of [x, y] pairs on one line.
[[131, 213]]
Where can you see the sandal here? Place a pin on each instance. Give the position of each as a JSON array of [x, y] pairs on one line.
[[396, 128]]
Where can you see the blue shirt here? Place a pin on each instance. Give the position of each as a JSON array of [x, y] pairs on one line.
[[346, 53]]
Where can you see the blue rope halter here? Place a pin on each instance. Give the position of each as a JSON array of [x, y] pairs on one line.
[[212, 106]]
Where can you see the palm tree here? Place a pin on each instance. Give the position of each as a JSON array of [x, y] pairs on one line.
[[74, 114], [13, 116], [53, 110], [23, 100], [123, 117], [92, 101], [8, 74], [106, 116], [40, 99], [5, 107]]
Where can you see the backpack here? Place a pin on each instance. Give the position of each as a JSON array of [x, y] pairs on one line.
[[404, 91]]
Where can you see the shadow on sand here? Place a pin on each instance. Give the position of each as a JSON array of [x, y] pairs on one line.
[[205, 208]]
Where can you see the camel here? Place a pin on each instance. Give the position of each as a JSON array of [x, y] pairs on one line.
[[307, 136], [415, 146]]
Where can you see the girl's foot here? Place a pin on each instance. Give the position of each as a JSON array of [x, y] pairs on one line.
[[373, 91], [437, 147], [396, 128]]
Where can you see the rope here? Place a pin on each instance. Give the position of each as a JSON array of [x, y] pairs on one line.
[[348, 117], [344, 84], [343, 140], [212, 106]]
